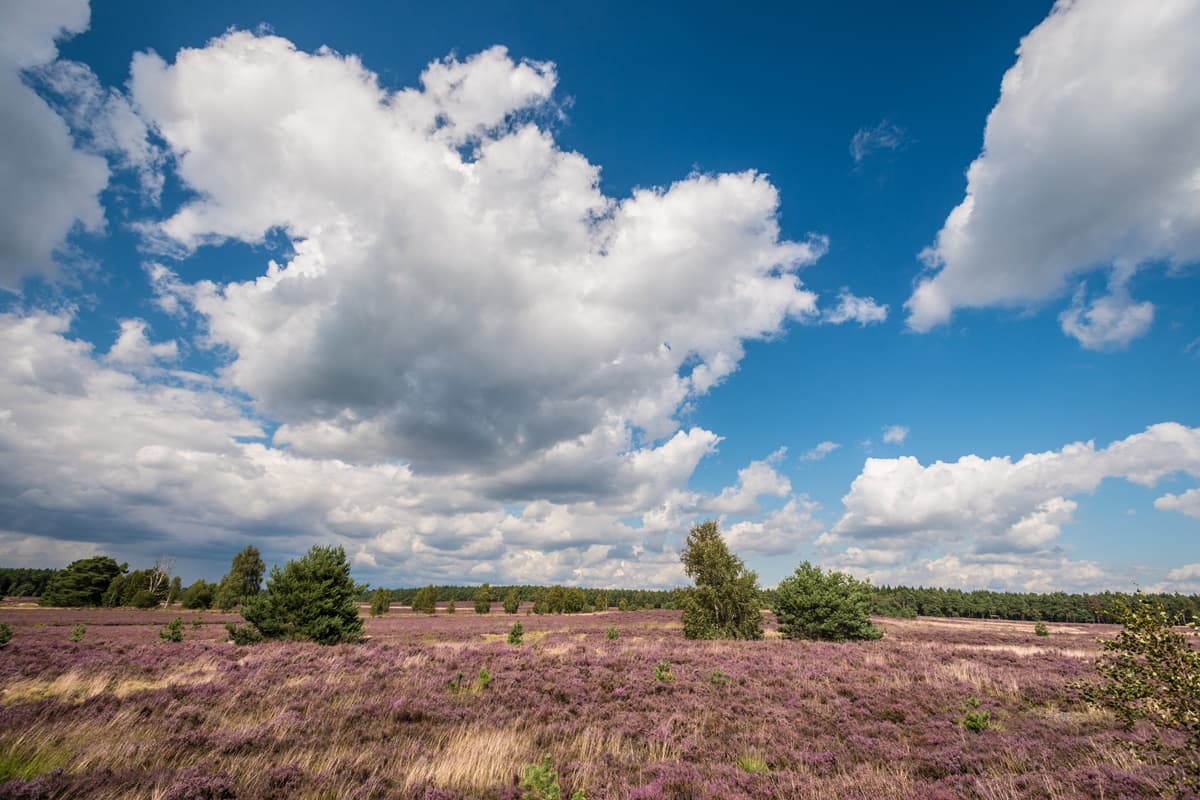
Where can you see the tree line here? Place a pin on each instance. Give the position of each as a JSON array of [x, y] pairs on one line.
[[102, 581]]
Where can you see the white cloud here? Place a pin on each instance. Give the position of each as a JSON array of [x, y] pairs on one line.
[[133, 348], [461, 295], [996, 503], [850, 308], [50, 187], [758, 479], [1089, 161], [1109, 322], [886, 135], [819, 451], [778, 532], [894, 434], [1187, 503]]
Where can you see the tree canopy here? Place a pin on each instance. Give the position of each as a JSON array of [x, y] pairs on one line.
[[312, 598], [724, 604], [243, 580], [811, 604], [82, 583]]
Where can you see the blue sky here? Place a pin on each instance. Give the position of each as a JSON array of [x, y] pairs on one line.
[[871, 285]]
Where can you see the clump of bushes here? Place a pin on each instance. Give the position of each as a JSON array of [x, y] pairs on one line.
[[381, 601], [516, 634], [1041, 630], [973, 719], [450, 607], [311, 598], [662, 672], [77, 633], [483, 599], [611, 633], [512, 601], [718, 678], [5, 633], [172, 631], [811, 604], [243, 634], [540, 782], [425, 600], [1151, 674], [724, 603]]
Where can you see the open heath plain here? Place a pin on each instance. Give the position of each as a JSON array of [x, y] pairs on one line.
[[443, 707]]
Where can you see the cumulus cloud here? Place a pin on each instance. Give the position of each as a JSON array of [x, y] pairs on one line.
[[133, 348], [1187, 503], [894, 434], [1089, 162], [1108, 322], [50, 186], [999, 504], [850, 308], [887, 135], [778, 532], [461, 294], [819, 451], [756, 480]]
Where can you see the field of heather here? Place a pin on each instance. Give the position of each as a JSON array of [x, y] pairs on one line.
[[123, 714]]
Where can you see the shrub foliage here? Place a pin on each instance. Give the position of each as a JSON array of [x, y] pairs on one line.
[[724, 603], [811, 604], [311, 598], [82, 583], [1151, 672]]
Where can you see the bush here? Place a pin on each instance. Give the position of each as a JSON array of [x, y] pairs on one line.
[[311, 598], [484, 679], [540, 782], [973, 719], [77, 633], [718, 678], [662, 672], [752, 764], [5, 633], [198, 596], [172, 631], [450, 607], [1151, 673], [1041, 630], [512, 601], [483, 599], [425, 600], [725, 602], [516, 634], [811, 604], [82, 583], [243, 634], [611, 633], [381, 602], [243, 581]]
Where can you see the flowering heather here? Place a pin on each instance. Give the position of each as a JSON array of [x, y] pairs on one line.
[[125, 715]]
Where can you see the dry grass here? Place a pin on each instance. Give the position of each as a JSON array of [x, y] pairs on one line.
[[472, 757], [75, 687]]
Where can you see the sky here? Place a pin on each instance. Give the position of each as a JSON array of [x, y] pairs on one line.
[[520, 292]]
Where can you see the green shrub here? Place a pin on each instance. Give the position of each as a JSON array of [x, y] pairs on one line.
[[484, 679], [77, 633], [456, 683], [724, 604], [540, 782], [973, 719], [199, 595], [811, 604], [752, 764], [1041, 630], [662, 672], [611, 633], [311, 598], [718, 678], [381, 602], [172, 631], [243, 634], [243, 581], [197, 621], [425, 600], [512, 601], [483, 599], [82, 583], [450, 608], [1151, 673], [516, 634], [5, 633]]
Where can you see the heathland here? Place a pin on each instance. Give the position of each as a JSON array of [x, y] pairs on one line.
[[615, 704]]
